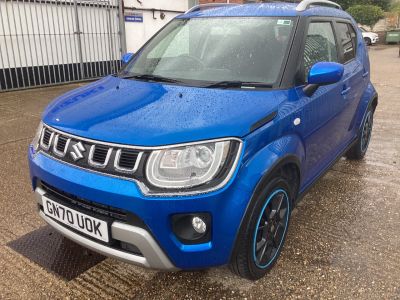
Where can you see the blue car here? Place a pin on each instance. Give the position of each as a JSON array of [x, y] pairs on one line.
[[196, 152]]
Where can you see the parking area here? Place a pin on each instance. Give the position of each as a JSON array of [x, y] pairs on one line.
[[343, 241]]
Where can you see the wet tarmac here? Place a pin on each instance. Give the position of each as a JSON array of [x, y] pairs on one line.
[[343, 241]]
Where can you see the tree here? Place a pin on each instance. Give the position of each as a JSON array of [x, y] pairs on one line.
[[345, 4], [384, 4], [366, 14], [395, 7]]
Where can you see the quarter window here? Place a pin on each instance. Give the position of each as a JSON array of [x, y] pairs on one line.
[[347, 41], [319, 46]]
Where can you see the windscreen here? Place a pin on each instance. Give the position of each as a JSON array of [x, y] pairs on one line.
[[200, 50]]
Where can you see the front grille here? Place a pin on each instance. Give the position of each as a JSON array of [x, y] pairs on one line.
[[89, 206], [128, 159], [46, 137], [62, 142], [102, 157], [100, 154]]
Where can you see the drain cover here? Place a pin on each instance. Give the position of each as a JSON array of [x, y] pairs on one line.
[[56, 254]]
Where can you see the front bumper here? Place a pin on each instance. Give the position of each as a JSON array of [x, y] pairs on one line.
[[156, 241], [153, 256]]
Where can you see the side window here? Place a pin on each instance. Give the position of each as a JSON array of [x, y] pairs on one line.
[[319, 46], [347, 41]]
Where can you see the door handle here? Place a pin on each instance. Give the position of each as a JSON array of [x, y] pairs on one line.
[[365, 74], [346, 90]]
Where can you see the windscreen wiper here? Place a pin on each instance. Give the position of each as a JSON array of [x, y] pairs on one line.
[[150, 77], [238, 84]]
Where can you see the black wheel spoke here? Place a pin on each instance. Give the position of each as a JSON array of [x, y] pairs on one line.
[[276, 204], [268, 252], [272, 252], [261, 253], [366, 132], [267, 213], [261, 227], [280, 201], [271, 229], [282, 213], [260, 244], [278, 235]]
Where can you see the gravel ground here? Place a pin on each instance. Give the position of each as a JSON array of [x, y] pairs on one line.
[[343, 242]]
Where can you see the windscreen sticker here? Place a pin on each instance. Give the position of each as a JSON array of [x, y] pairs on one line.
[[284, 22]]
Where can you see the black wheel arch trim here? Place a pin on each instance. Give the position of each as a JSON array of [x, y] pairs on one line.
[[374, 97], [370, 103], [287, 159]]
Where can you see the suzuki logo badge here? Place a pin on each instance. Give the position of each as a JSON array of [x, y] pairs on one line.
[[77, 150]]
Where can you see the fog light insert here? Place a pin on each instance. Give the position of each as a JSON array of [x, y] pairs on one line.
[[192, 228], [198, 225]]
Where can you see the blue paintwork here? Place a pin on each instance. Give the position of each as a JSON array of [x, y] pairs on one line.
[[325, 73], [126, 57], [152, 114]]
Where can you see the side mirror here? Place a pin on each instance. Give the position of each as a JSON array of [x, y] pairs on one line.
[[323, 73], [126, 58]]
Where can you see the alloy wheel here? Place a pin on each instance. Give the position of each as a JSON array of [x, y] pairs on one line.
[[366, 132], [271, 228]]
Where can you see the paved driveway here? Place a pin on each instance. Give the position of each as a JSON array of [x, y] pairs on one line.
[[343, 242]]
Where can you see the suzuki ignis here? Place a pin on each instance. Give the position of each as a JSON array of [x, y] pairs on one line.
[[196, 152]]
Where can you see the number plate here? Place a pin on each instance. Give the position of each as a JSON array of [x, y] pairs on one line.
[[83, 223]]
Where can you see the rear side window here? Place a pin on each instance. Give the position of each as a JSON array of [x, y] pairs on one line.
[[320, 45], [347, 41]]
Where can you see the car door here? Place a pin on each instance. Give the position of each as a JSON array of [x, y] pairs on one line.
[[354, 74], [321, 127]]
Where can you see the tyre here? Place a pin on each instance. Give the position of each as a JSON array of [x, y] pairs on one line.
[[263, 231], [359, 149], [367, 41]]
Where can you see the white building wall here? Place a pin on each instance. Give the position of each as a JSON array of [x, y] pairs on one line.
[[138, 33]]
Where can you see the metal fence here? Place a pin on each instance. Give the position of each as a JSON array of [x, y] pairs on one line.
[[45, 42]]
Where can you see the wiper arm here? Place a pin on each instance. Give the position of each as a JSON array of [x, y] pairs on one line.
[[150, 77], [238, 84]]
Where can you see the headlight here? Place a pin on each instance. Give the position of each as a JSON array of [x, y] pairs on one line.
[[36, 138], [206, 165]]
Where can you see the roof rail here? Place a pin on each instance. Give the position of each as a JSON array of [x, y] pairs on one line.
[[305, 4], [208, 6]]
